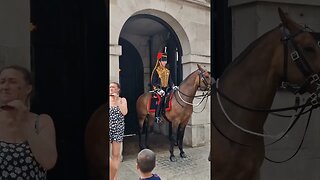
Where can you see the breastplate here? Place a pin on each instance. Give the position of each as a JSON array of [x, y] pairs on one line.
[[163, 75]]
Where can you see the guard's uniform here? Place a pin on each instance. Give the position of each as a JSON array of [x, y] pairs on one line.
[[161, 80]]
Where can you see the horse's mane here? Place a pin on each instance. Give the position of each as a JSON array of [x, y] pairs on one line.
[[192, 74], [188, 77], [248, 49]]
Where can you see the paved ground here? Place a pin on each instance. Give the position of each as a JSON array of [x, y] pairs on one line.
[[196, 166]]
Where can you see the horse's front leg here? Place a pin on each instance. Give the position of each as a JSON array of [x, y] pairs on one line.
[[181, 130], [173, 140]]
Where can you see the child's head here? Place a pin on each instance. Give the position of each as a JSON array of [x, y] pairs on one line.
[[146, 160]]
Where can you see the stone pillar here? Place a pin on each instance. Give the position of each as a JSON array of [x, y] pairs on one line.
[[197, 132], [15, 33], [115, 52]]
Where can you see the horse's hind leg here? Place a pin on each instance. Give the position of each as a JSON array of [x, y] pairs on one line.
[[181, 130], [146, 127], [140, 134], [173, 140], [142, 126]]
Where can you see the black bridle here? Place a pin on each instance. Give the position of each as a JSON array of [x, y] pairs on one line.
[[204, 80], [297, 56]]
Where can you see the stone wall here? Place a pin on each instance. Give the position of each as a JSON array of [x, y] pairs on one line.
[[15, 33]]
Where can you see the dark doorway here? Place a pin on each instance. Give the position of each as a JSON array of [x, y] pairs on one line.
[[69, 61], [221, 34], [174, 60], [131, 80]]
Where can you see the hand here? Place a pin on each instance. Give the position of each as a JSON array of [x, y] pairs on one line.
[[17, 109], [161, 92], [114, 95], [14, 105], [175, 87]]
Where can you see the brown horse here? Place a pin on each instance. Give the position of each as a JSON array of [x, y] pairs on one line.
[[252, 81], [96, 144], [181, 110]]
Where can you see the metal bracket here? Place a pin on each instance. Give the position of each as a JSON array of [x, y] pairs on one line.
[[284, 85], [315, 78], [294, 55], [314, 99]]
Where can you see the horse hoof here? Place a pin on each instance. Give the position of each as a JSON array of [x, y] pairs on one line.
[[173, 159], [183, 155]]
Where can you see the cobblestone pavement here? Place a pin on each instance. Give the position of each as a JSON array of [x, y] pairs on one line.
[[195, 166]]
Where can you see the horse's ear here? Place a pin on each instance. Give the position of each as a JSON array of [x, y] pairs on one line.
[[199, 67], [282, 16], [287, 22]]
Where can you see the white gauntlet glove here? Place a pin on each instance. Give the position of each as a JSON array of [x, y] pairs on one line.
[[161, 92]]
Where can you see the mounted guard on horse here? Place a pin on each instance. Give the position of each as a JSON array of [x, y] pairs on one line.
[[161, 82]]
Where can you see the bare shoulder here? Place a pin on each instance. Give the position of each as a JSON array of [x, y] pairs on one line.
[[124, 99], [44, 120], [45, 116]]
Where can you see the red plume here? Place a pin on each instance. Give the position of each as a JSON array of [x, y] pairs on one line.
[[159, 55]]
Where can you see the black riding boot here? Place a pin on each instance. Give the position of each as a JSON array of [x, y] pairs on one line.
[[158, 111], [158, 119]]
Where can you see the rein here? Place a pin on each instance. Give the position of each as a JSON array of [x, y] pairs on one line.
[[258, 109], [195, 105], [299, 147], [279, 136]]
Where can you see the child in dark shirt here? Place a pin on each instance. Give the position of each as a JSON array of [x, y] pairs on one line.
[[146, 161]]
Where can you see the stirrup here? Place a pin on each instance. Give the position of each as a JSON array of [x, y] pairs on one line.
[[158, 120]]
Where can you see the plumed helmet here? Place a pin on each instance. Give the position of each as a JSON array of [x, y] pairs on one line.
[[162, 56]]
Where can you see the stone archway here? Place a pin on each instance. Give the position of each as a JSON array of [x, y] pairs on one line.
[[146, 34]]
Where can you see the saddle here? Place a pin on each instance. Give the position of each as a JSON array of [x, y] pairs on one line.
[[155, 99]]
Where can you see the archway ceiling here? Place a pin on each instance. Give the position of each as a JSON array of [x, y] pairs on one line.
[[143, 27]]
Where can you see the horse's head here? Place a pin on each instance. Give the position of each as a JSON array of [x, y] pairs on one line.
[[205, 79], [303, 56]]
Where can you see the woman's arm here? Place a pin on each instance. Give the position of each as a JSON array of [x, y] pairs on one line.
[[123, 105], [43, 142], [42, 139]]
